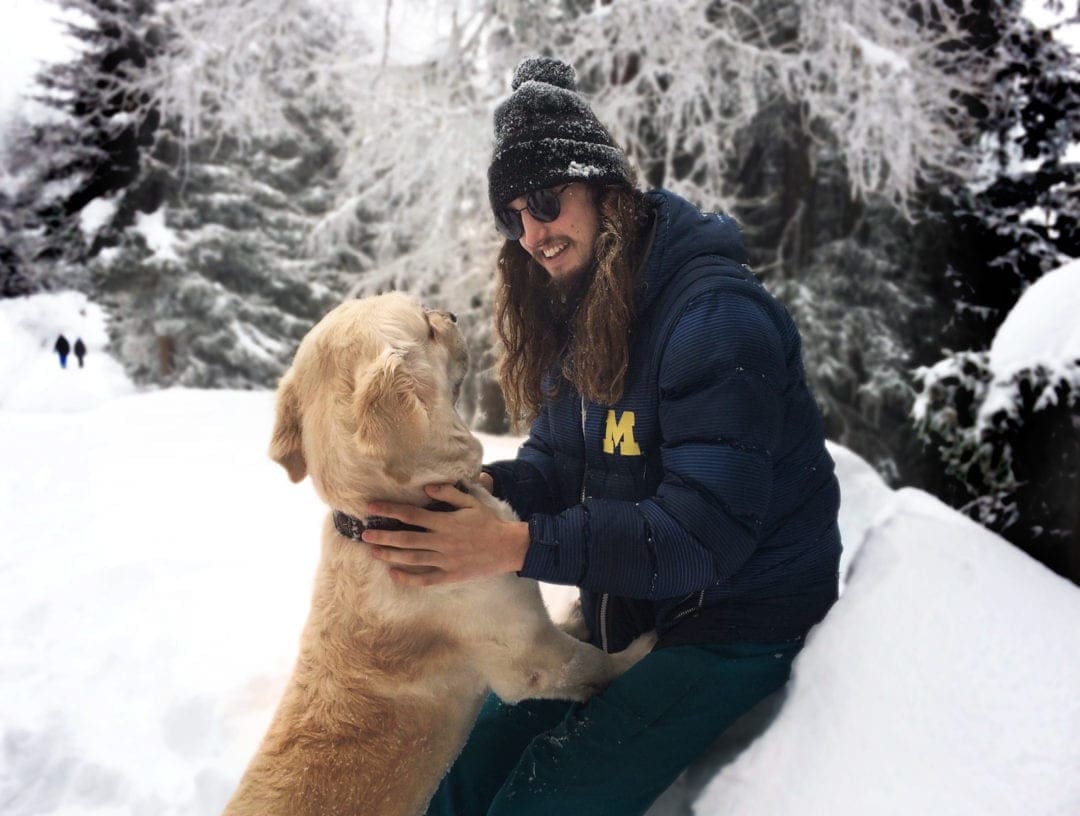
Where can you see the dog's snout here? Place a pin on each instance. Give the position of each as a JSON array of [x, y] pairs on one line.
[[452, 316]]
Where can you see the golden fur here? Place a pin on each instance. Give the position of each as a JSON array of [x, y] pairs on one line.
[[389, 680]]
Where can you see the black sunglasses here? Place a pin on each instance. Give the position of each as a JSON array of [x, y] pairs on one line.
[[543, 205]]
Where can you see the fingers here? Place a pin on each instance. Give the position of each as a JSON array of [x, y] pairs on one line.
[[411, 558], [398, 540], [450, 494], [416, 516]]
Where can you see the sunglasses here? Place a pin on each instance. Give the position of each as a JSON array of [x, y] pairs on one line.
[[543, 205]]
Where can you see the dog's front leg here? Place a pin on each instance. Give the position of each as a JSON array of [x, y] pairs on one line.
[[556, 665], [574, 624]]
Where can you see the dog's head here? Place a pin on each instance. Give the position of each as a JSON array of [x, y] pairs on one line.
[[367, 407]]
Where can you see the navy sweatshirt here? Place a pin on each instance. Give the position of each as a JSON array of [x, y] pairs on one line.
[[703, 503]]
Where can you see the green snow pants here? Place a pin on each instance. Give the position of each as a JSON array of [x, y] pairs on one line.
[[617, 752]]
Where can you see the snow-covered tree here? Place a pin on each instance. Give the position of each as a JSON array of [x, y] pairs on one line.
[[216, 285], [93, 145], [1020, 215], [1006, 423], [13, 280], [694, 91], [1012, 469]]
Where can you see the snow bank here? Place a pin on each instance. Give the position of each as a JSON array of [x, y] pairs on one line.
[[944, 681]]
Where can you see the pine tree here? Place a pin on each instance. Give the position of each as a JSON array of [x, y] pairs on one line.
[[1015, 470], [13, 281], [216, 285], [1021, 217], [92, 150]]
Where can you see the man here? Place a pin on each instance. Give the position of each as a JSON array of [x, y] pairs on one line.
[[62, 348], [675, 469]]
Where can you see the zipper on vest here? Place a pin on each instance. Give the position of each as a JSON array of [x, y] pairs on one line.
[[692, 609], [585, 453], [603, 598], [603, 621]]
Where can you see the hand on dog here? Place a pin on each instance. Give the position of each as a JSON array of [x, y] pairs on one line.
[[469, 542]]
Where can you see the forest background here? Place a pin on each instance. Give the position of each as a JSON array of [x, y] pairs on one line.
[[217, 174]]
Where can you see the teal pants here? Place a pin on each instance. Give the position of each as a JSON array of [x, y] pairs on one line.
[[617, 752]]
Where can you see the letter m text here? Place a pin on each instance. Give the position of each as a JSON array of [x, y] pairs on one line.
[[619, 433]]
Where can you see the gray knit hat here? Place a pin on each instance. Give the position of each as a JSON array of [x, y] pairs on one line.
[[546, 134]]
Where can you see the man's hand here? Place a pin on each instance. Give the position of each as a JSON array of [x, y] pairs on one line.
[[469, 542]]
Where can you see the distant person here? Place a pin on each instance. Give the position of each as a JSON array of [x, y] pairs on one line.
[[80, 351], [62, 348]]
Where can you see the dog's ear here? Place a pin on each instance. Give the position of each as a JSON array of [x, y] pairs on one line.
[[392, 420], [286, 444]]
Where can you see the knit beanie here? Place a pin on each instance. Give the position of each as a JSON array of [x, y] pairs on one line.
[[546, 134]]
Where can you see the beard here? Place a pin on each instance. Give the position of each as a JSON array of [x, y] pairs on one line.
[[565, 296]]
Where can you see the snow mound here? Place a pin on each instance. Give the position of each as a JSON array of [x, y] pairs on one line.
[[30, 375], [1043, 327], [1039, 341], [943, 681]]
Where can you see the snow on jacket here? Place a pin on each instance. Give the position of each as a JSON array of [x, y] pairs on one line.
[[703, 503]]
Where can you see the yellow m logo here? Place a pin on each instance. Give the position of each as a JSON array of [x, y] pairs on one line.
[[619, 433]]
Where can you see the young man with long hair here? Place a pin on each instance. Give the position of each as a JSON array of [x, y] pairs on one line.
[[675, 469]]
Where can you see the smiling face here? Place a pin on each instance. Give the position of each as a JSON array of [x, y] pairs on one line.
[[563, 247]]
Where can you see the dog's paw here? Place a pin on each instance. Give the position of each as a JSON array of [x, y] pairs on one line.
[[640, 647]]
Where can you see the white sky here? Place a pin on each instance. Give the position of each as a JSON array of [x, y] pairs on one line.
[[1070, 34], [30, 35]]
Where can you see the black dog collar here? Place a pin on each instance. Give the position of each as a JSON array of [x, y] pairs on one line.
[[352, 527]]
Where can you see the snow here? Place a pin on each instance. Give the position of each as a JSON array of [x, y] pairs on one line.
[[1043, 327], [159, 237], [581, 170], [97, 214], [1041, 330], [30, 375], [875, 54], [944, 681], [156, 575]]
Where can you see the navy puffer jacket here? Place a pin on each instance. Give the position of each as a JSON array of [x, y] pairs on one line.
[[703, 503]]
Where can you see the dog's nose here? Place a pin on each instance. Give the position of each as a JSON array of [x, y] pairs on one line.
[[452, 316]]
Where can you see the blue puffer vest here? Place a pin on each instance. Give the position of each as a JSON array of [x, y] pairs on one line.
[[703, 503]]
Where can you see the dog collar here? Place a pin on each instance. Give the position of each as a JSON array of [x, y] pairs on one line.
[[353, 527]]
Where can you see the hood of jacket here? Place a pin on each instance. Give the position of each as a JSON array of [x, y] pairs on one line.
[[682, 232]]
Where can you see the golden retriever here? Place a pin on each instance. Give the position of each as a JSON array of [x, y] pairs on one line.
[[389, 679]]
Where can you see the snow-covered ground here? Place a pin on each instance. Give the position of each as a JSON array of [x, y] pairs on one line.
[[156, 568]]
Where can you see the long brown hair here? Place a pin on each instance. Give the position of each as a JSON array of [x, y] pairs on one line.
[[541, 323]]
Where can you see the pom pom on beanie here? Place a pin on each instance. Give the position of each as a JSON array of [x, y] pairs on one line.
[[545, 69]]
